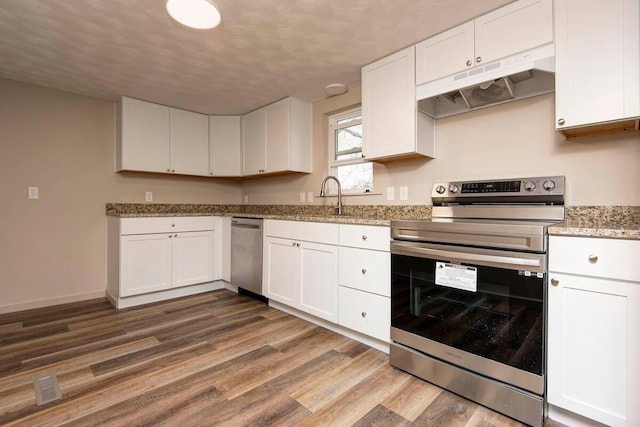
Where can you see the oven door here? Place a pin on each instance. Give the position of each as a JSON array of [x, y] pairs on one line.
[[480, 309]]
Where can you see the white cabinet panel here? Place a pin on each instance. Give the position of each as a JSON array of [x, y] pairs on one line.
[[365, 270], [189, 143], [365, 237], [281, 275], [253, 143], [277, 139], [225, 146], [145, 263], [597, 65], [319, 280], [364, 312], [192, 258], [142, 136]]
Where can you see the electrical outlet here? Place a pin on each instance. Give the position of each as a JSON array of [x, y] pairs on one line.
[[246, 198], [404, 193], [148, 196], [391, 194], [310, 197], [302, 198], [33, 193]]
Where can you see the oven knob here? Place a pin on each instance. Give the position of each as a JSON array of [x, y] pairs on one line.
[[549, 185], [530, 186], [453, 188], [440, 189]]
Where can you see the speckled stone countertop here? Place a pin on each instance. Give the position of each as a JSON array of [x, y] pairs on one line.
[[614, 222], [618, 222], [353, 214]]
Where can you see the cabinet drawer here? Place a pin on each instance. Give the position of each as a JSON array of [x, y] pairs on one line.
[[365, 237], [165, 224], [610, 258], [364, 312], [300, 230], [365, 270]]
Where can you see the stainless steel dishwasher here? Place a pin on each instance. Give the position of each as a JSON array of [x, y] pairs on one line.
[[246, 256]]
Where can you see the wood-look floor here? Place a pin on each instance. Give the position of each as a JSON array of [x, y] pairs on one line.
[[211, 359]]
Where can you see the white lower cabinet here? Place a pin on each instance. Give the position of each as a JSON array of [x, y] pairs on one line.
[[152, 258], [594, 331], [367, 313], [301, 266]]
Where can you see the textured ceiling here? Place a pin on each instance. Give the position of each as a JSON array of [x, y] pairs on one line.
[[264, 50]]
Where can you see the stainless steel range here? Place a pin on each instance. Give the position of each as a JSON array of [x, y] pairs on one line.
[[468, 301]]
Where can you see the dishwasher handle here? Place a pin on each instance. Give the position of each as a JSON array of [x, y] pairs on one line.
[[241, 225], [253, 223]]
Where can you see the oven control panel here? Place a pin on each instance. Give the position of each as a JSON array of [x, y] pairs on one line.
[[532, 188]]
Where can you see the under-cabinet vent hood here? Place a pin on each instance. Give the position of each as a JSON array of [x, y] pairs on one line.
[[520, 76]]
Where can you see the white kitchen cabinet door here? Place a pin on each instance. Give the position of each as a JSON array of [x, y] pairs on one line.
[[597, 65], [366, 313], [253, 142], [389, 112], [193, 258], [145, 263], [143, 139], [277, 136], [594, 348], [514, 28], [281, 270], [225, 146], [319, 280], [189, 143], [446, 53]]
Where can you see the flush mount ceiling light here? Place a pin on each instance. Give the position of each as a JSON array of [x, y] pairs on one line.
[[335, 89], [198, 14]]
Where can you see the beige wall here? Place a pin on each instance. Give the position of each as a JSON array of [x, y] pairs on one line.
[[53, 248], [511, 140]]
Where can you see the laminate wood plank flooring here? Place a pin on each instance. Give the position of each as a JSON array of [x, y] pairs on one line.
[[214, 359]]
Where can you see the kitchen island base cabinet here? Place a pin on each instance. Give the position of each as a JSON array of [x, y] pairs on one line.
[[150, 259], [594, 331]]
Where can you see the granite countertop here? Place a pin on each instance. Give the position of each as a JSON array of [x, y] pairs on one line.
[[617, 222]]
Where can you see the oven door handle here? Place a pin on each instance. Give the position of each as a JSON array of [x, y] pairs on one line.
[[496, 260]]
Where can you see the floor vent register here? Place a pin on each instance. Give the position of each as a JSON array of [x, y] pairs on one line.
[[47, 389]]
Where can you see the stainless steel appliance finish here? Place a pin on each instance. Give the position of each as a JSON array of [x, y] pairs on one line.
[[246, 254], [468, 291]]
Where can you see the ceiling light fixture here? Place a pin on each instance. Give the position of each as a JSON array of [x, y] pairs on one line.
[[335, 89], [198, 14]]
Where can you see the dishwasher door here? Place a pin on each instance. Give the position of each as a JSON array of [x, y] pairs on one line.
[[246, 254]]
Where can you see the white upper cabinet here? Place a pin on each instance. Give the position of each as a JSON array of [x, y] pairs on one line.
[[514, 28], [391, 125], [225, 146], [189, 142], [277, 138], [142, 136], [597, 66], [156, 138]]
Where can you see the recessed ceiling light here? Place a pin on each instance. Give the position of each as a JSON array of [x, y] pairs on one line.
[[198, 14]]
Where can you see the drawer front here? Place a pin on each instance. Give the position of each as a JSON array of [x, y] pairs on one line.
[[166, 224], [608, 258], [301, 230], [365, 236], [366, 313], [365, 270]]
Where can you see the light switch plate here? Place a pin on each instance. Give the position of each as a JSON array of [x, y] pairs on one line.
[[148, 196], [246, 198], [302, 198], [391, 194], [404, 193], [310, 197], [33, 193]]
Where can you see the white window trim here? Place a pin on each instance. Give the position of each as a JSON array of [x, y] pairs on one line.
[[333, 164]]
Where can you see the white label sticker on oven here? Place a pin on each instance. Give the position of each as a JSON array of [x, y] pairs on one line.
[[457, 276]]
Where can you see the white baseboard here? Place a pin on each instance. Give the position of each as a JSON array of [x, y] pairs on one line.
[[132, 301], [365, 339], [48, 302]]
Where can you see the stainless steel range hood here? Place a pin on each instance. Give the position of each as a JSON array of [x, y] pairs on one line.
[[520, 76]]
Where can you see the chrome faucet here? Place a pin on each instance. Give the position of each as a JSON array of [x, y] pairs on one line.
[[322, 191]]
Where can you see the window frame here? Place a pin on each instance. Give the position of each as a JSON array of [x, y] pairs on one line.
[[333, 126]]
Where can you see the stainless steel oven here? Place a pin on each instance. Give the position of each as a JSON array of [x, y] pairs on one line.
[[468, 303]]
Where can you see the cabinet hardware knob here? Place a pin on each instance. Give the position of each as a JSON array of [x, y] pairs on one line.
[[364, 314], [561, 122], [173, 225], [168, 170], [363, 156], [211, 173], [173, 171], [555, 282], [364, 271], [293, 243], [469, 63], [170, 236], [593, 258], [175, 235], [364, 237], [479, 59]]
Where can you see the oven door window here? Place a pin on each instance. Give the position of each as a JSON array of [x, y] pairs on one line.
[[502, 319]]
